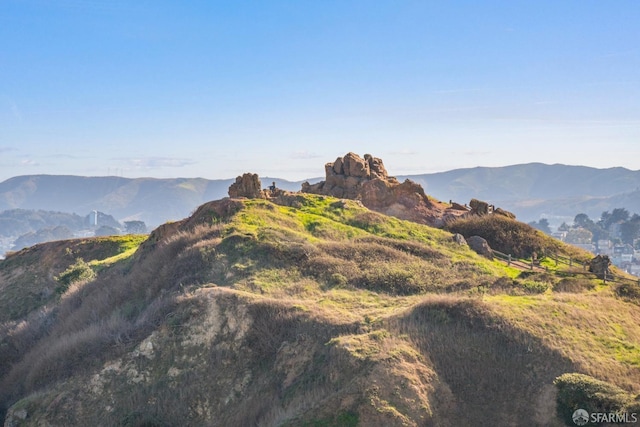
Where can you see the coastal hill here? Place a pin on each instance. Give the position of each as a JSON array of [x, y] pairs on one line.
[[298, 309]]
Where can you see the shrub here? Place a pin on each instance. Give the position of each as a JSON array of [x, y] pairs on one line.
[[78, 272], [573, 284], [504, 234], [532, 287], [338, 280], [577, 391], [630, 291]]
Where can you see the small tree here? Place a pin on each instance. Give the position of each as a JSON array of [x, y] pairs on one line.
[[542, 225], [582, 220], [629, 231], [579, 236]]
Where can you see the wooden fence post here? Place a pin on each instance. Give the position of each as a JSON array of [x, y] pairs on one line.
[[509, 262]]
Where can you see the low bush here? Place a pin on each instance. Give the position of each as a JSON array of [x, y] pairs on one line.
[[578, 391], [532, 287], [574, 285], [505, 235], [78, 272], [629, 291]]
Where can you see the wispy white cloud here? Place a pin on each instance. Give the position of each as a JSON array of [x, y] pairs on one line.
[[158, 162], [29, 162], [304, 155], [477, 153], [7, 149], [403, 152]]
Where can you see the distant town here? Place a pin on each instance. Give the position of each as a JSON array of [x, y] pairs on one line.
[[616, 234], [21, 228]]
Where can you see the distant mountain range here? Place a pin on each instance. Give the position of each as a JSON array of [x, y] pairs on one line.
[[531, 191], [536, 190], [151, 200]]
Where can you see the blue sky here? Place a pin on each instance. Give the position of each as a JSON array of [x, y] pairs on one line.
[[213, 89]]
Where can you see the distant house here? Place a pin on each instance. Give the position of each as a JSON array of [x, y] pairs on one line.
[[634, 269], [604, 247], [586, 246], [623, 254]]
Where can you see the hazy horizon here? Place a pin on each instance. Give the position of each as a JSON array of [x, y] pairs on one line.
[[314, 177], [162, 89]]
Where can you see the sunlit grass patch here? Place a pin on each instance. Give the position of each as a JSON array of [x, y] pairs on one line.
[[596, 331]]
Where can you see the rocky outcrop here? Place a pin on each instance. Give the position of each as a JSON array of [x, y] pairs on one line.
[[482, 208], [459, 207], [480, 246], [346, 176], [248, 185], [478, 207], [459, 239], [500, 211], [599, 265], [366, 179]]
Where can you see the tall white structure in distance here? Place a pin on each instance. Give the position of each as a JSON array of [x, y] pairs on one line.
[[93, 218]]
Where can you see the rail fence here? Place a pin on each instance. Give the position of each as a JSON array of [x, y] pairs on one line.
[[576, 267]]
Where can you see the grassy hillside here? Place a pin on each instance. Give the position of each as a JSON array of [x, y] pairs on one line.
[[311, 311]]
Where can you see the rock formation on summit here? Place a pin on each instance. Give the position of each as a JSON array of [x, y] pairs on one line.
[[248, 185], [346, 176], [367, 180]]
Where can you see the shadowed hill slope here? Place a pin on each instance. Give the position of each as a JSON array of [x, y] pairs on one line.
[[315, 311]]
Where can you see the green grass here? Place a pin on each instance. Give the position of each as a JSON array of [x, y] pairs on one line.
[[127, 246], [599, 332]]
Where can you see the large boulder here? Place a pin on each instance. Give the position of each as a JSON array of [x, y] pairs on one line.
[[355, 166], [459, 239], [479, 207], [248, 185], [480, 246]]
